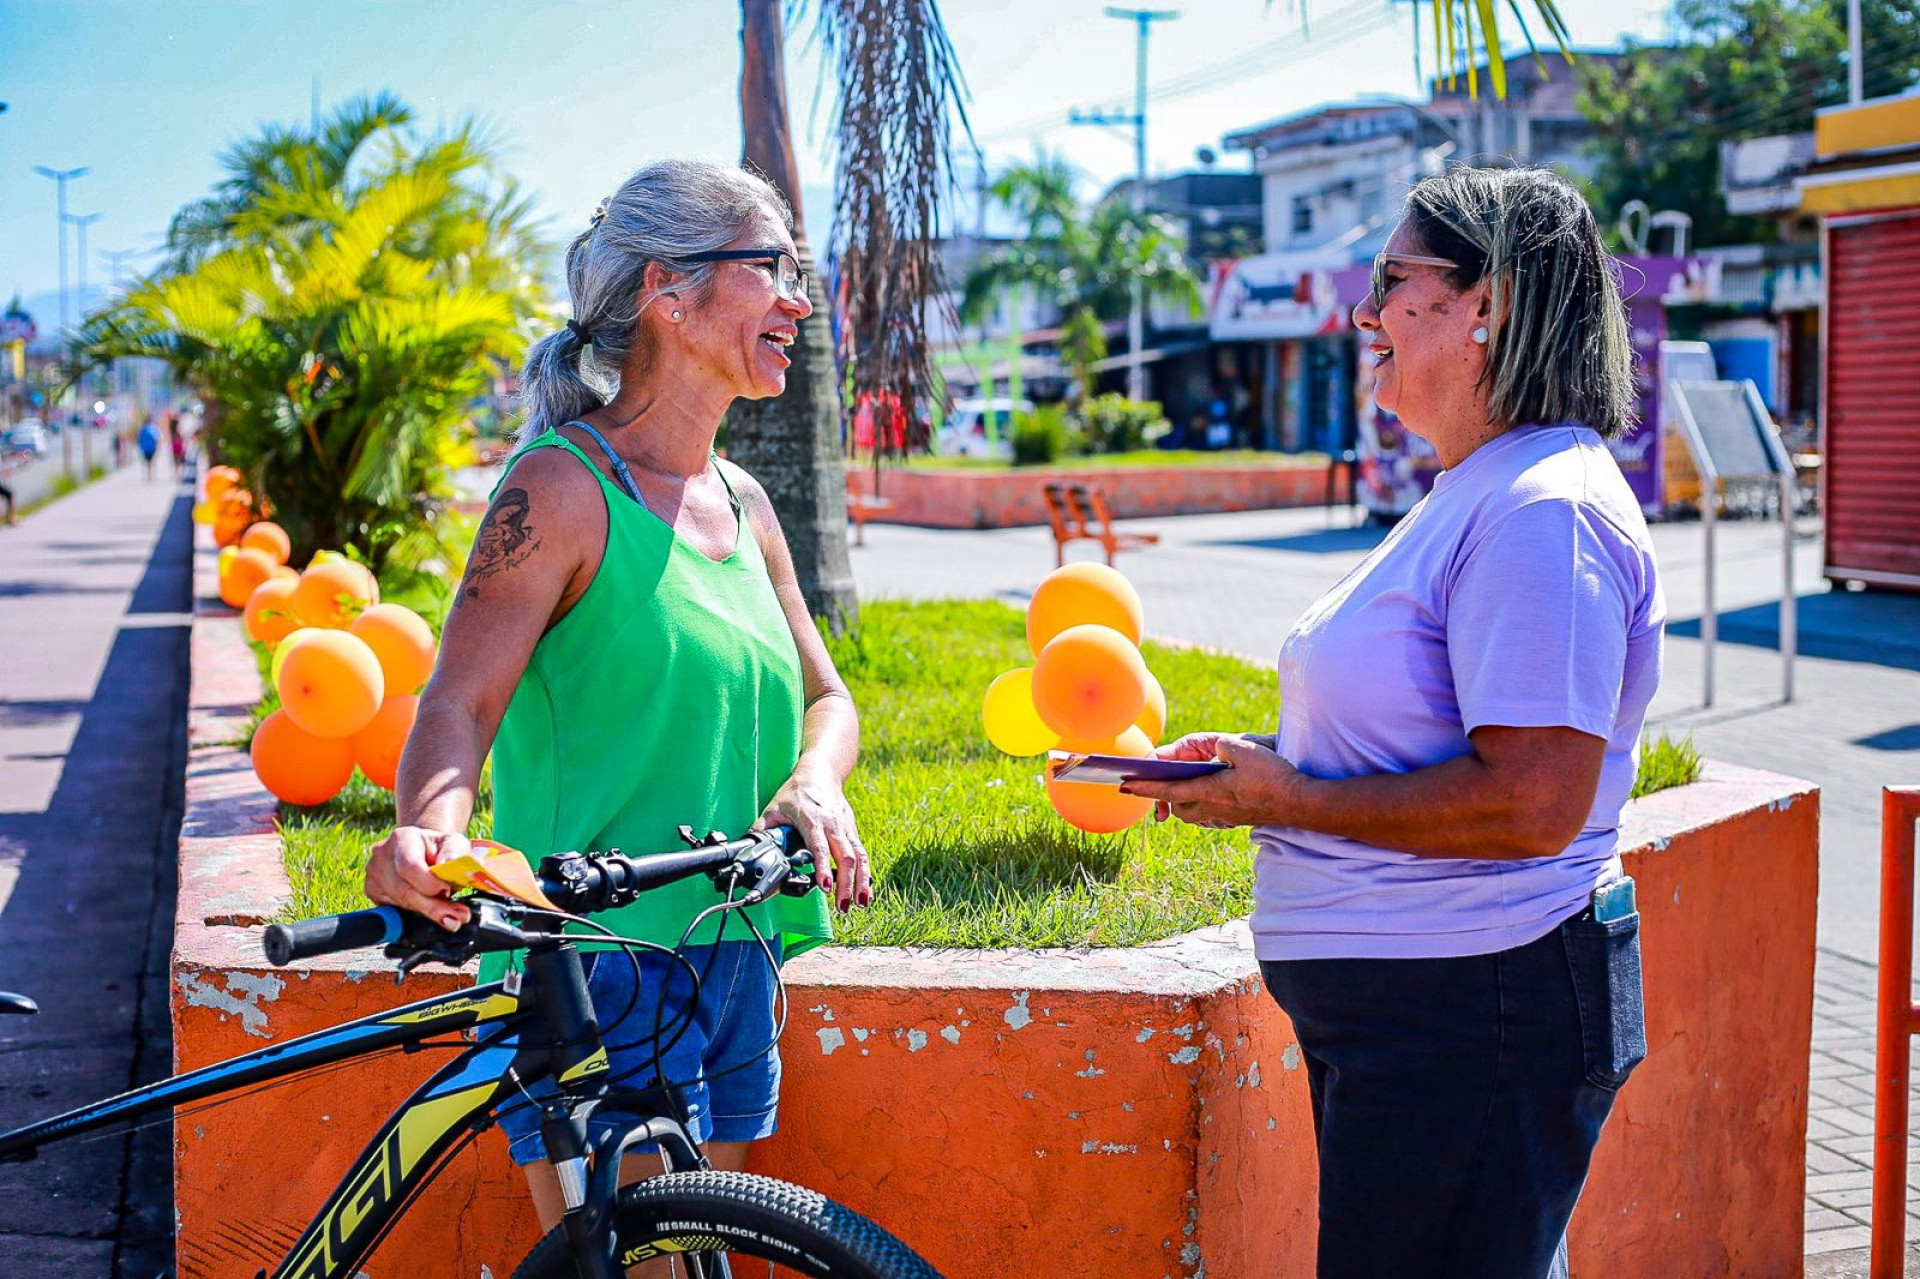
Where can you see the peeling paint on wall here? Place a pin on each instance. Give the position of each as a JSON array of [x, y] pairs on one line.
[[1185, 1056], [1017, 1016], [242, 998], [1092, 1071], [916, 1040], [831, 1038], [1290, 1059], [950, 1033]]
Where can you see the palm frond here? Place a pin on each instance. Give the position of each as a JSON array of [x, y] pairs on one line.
[[900, 93]]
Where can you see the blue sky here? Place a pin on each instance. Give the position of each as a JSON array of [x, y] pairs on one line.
[[579, 95]]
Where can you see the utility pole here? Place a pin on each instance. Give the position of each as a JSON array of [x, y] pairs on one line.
[[1856, 73], [60, 179], [1143, 20]]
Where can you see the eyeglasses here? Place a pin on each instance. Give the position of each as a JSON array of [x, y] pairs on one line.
[[1380, 281], [789, 281]]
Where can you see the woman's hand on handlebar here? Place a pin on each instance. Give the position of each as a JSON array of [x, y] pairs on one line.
[[399, 874], [813, 803]]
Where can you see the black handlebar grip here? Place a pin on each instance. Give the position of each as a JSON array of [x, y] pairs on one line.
[[355, 930]]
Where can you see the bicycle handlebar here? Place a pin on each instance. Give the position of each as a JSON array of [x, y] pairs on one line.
[[766, 862]]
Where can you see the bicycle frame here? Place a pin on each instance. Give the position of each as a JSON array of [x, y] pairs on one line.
[[403, 1155]]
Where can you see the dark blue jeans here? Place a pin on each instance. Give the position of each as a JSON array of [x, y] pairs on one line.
[[1457, 1102]]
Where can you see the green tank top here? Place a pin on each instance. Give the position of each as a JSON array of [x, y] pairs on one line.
[[670, 695]]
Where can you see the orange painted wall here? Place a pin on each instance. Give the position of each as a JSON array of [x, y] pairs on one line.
[[1005, 499]]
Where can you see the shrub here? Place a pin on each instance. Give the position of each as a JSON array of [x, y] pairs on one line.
[[1115, 424], [1042, 436]]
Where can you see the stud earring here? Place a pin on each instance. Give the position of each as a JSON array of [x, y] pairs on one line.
[[676, 315], [1479, 335]]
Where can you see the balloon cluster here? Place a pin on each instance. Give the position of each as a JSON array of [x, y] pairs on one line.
[[347, 667], [1088, 690]]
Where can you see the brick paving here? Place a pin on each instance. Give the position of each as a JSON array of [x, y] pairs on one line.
[[1236, 582]]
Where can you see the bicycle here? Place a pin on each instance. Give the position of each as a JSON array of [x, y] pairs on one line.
[[536, 1025]]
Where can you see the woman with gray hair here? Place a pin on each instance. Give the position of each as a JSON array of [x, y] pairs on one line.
[[1439, 903], [631, 644]]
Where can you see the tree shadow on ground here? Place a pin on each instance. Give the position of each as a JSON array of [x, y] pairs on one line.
[[1331, 541]]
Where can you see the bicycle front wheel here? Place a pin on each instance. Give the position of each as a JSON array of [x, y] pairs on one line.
[[688, 1214]]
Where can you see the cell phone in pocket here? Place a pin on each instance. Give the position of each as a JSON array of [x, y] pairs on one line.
[[1613, 901]]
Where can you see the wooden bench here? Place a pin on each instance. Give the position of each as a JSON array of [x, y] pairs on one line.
[[861, 505], [1078, 512]]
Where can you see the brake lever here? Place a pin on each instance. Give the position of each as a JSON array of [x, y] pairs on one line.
[[487, 922]]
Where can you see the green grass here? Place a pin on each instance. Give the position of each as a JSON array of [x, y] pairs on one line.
[[1121, 461], [1665, 763], [967, 852]]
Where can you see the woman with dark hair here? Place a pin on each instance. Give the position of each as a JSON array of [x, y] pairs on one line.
[[631, 644], [1439, 903]]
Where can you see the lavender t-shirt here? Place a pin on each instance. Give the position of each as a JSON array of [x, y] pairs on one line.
[[1521, 592]]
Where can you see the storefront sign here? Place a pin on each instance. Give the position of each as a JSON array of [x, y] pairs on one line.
[[1275, 297]]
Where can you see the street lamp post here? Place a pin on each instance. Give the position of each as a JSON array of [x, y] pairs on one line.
[[60, 178], [81, 222]]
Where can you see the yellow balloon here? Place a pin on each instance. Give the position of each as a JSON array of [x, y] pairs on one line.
[[1012, 724], [1153, 720], [204, 513]]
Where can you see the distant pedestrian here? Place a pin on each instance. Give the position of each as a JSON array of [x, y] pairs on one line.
[[149, 445], [6, 495], [176, 444]]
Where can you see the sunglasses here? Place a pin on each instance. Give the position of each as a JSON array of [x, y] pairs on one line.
[[1380, 282], [789, 281]]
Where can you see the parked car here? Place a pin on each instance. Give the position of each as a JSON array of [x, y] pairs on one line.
[[29, 435], [980, 428]]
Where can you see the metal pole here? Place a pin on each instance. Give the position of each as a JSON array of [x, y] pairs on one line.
[[1856, 73], [1709, 618], [1896, 1022], [81, 221], [1789, 602]]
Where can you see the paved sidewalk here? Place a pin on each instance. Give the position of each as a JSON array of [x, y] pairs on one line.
[[94, 600], [1237, 582]]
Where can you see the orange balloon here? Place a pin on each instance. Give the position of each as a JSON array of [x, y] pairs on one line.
[[1089, 681], [269, 537], [296, 766], [403, 642], [1079, 594], [245, 571], [1012, 724], [220, 480], [377, 747], [331, 685], [1096, 809], [1153, 720], [269, 615], [333, 592], [292, 640]]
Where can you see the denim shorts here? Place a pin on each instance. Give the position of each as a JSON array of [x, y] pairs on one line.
[[725, 1064]]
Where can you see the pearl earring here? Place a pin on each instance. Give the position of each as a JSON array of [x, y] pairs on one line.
[[676, 315], [1479, 335]]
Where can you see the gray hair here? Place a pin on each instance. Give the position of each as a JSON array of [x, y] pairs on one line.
[[1560, 350], [664, 213]]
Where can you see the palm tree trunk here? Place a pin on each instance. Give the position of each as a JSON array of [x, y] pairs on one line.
[[792, 444]]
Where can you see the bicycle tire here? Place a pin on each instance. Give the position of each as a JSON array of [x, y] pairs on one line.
[[744, 1214]]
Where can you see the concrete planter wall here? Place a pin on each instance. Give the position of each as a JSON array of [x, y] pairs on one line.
[[1137, 1113], [1005, 499]]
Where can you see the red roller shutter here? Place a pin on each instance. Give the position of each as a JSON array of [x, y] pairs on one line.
[[1872, 466]]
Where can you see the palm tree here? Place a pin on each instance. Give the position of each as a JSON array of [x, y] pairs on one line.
[[342, 319], [900, 88], [1084, 264]]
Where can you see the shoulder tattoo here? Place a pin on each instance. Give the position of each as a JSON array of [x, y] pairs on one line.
[[507, 537]]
